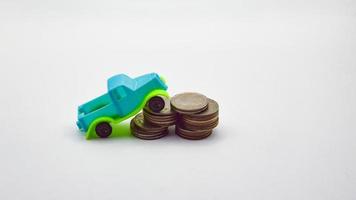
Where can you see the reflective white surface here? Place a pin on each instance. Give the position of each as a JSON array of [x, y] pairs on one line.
[[284, 74]]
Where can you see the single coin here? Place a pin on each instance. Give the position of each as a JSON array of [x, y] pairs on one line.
[[189, 102], [189, 112], [211, 112]]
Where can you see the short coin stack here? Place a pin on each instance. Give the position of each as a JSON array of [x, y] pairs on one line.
[[150, 125], [147, 131], [166, 117], [197, 115]]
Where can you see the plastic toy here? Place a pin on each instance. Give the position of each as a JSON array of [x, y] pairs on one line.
[[124, 99]]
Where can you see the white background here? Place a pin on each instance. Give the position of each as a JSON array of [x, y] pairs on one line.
[[283, 72]]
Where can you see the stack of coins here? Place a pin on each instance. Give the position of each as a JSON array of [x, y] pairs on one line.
[[147, 131], [151, 125], [197, 115], [165, 118]]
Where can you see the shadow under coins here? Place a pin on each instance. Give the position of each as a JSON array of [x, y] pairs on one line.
[[125, 134]]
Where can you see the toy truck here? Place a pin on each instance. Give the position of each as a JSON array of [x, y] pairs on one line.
[[124, 99]]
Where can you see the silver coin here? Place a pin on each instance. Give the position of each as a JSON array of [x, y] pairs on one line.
[[209, 113], [189, 102]]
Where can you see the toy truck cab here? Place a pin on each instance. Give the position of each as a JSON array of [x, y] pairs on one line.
[[125, 98]]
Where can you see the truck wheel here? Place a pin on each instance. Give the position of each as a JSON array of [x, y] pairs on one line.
[[156, 103], [103, 129]]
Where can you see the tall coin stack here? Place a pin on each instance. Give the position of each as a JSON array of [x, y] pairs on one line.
[[197, 115]]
